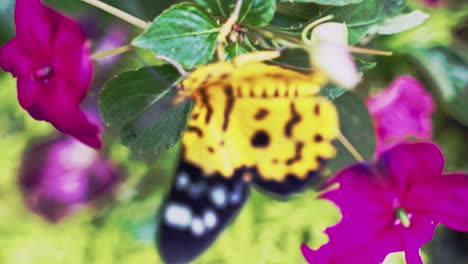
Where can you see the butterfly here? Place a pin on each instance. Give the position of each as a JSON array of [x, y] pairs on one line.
[[252, 124]]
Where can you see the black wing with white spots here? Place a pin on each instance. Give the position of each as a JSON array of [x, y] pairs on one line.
[[197, 209]]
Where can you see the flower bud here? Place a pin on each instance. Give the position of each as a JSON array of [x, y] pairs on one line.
[[61, 173]]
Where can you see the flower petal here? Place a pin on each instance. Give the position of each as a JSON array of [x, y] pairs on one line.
[[71, 55], [27, 90], [337, 63], [443, 199], [34, 28], [358, 237], [15, 60], [432, 3], [408, 164], [384, 243], [330, 32], [60, 172], [61, 109], [400, 111], [420, 231]]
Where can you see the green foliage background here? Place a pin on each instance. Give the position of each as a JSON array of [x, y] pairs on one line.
[[121, 230]]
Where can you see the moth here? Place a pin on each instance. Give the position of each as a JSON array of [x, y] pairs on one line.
[[252, 124]]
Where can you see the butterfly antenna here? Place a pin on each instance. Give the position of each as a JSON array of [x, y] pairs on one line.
[[226, 29]]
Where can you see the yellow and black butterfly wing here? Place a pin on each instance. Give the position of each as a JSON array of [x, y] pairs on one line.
[[258, 123], [203, 199], [265, 120], [197, 209], [284, 141]]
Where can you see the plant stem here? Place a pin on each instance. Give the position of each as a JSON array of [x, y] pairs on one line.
[[357, 156], [112, 52], [119, 13], [312, 25], [226, 29], [361, 50]]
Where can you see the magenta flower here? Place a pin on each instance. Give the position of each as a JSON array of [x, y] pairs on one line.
[[113, 38], [50, 57], [400, 111], [432, 3], [392, 205], [58, 175]]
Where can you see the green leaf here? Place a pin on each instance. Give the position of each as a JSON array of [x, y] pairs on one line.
[[185, 33], [6, 20], [362, 16], [399, 23], [138, 103], [297, 59], [301, 11], [448, 72], [327, 2], [356, 125], [332, 91], [291, 17], [364, 66], [233, 50], [254, 13]]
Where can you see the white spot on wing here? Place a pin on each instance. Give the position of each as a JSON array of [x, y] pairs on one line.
[[218, 196], [197, 189], [198, 228], [182, 181], [210, 219], [235, 196], [178, 215]]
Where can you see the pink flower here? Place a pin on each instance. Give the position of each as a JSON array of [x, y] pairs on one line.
[[61, 173], [432, 3], [113, 38], [392, 205], [50, 57], [400, 111]]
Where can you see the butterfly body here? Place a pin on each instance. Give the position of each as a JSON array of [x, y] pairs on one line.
[[251, 123]]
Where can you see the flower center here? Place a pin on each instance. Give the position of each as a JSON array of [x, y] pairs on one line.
[[402, 217], [42, 73]]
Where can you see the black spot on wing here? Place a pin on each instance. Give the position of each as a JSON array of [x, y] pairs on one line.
[[289, 184], [229, 105], [261, 114], [195, 116], [206, 103], [194, 129], [297, 155], [181, 245], [294, 120], [260, 139], [224, 76], [277, 76], [318, 138], [239, 91], [276, 94], [317, 109]]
